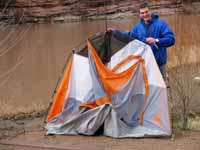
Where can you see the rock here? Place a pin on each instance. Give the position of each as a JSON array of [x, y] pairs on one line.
[[74, 10], [19, 116]]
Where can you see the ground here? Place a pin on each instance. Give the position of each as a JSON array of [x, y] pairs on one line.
[[22, 133]]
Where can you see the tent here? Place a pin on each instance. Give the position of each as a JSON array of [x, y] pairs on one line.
[[112, 88]]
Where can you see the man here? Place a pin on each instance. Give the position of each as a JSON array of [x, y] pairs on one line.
[[152, 31]]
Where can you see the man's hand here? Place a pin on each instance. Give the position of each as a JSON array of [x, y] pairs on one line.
[[151, 40], [110, 30]]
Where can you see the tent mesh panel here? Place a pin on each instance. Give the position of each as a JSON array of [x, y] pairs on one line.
[[105, 44]]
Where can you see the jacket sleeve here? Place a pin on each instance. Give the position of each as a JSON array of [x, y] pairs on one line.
[[166, 36], [123, 36]]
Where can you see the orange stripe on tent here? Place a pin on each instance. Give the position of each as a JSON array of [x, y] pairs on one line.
[[98, 102], [146, 84], [140, 60], [128, 59], [111, 81], [144, 74], [114, 84], [58, 100]]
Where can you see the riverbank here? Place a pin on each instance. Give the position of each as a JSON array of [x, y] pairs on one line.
[[74, 10], [29, 133], [24, 123]]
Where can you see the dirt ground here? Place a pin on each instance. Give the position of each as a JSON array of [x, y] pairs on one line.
[[28, 133]]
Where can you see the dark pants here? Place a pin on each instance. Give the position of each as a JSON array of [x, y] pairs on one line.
[[163, 71]]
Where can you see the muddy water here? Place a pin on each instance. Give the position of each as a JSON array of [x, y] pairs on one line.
[[32, 56]]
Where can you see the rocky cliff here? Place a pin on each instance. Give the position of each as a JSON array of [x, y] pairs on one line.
[[74, 10]]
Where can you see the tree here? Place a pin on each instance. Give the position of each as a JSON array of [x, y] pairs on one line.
[[184, 84]]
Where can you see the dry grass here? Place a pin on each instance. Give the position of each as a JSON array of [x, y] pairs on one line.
[[193, 123], [184, 89]]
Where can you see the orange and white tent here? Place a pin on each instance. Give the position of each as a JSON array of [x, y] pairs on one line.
[[127, 97]]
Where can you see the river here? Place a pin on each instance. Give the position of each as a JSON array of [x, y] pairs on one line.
[[32, 55]]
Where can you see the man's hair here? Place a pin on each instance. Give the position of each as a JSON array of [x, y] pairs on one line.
[[143, 5]]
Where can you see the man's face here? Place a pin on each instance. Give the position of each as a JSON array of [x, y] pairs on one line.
[[145, 14]]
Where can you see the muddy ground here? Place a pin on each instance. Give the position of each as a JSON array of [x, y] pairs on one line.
[[26, 132]]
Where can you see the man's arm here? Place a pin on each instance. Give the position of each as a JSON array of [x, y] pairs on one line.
[[167, 36], [123, 36]]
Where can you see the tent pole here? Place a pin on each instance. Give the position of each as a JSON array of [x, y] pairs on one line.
[[106, 22]]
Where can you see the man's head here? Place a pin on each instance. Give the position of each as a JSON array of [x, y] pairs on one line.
[[144, 12]]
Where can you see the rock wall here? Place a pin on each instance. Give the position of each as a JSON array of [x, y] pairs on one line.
[[74, 10]]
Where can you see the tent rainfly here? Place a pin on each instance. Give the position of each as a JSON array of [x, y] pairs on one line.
[[112, 88]]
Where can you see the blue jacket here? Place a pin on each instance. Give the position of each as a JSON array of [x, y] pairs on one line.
[[156, 28]]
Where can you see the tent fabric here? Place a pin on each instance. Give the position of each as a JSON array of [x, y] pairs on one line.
[[127, 96]]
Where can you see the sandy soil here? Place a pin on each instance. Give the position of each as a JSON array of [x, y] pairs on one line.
[[22, 133]]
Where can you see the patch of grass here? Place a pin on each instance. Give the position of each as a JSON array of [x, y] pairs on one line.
[[193, 123]]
